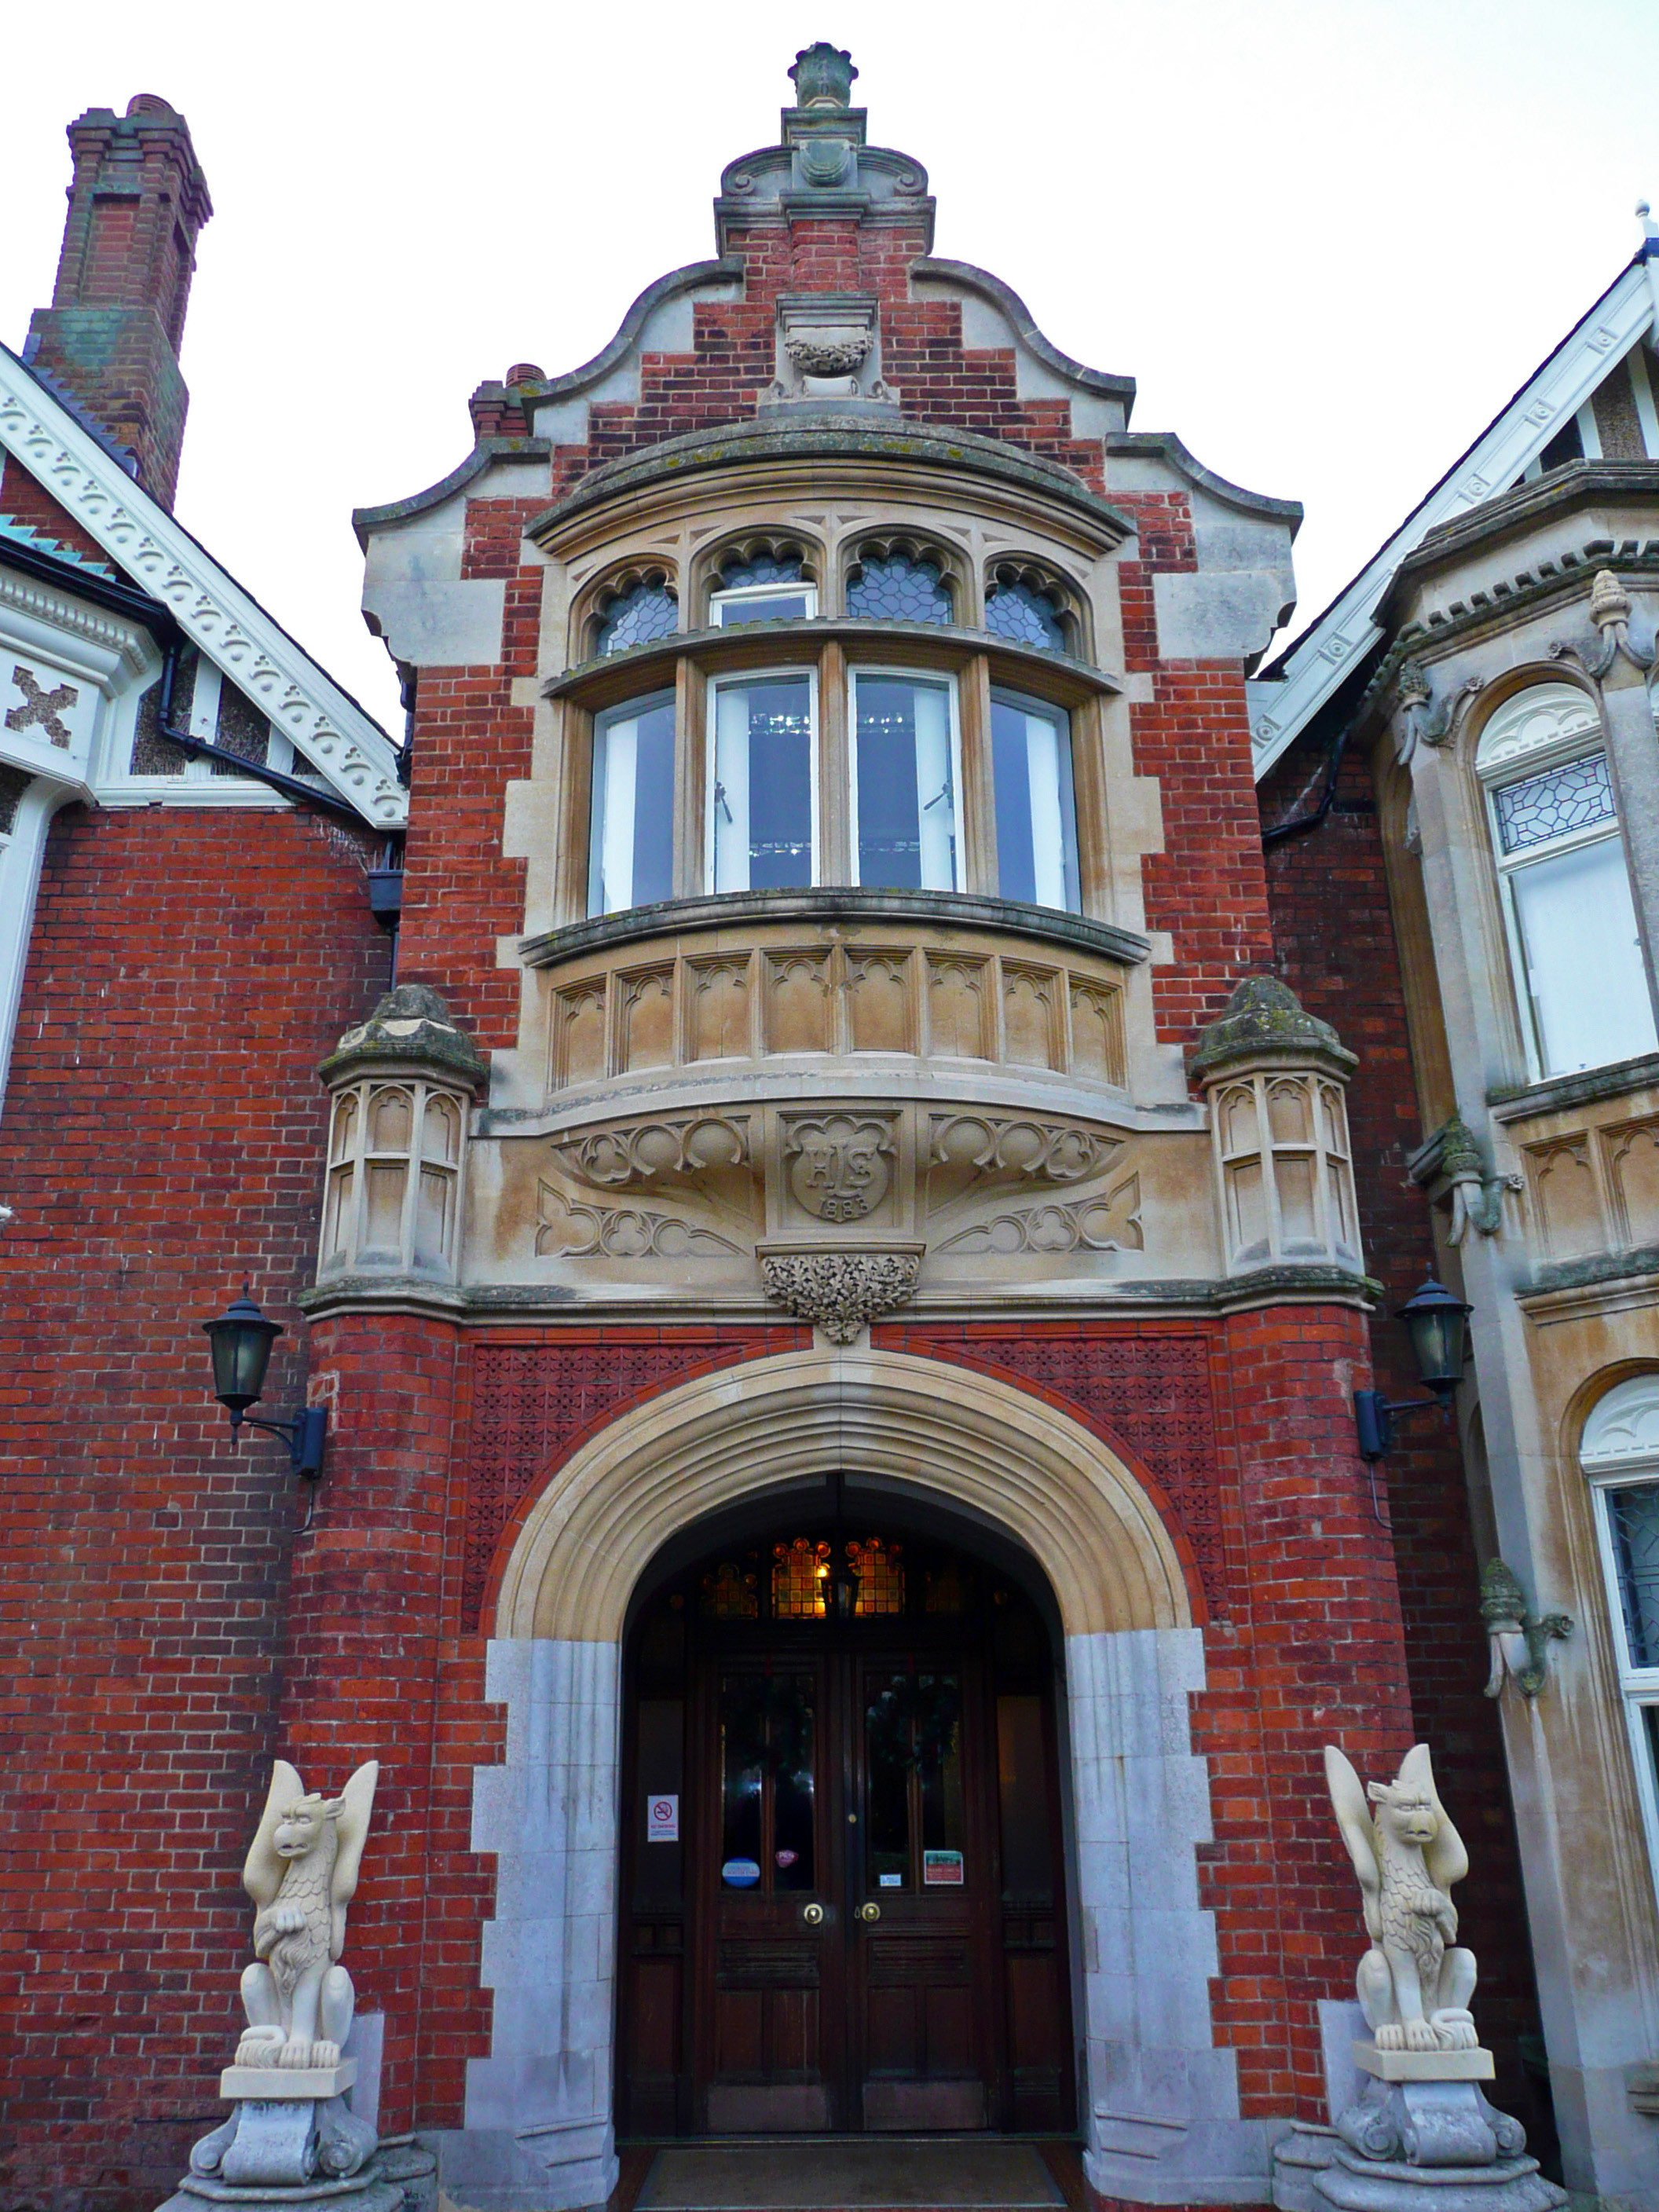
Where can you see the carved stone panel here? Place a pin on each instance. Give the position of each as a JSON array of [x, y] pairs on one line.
[[1033, 1022], [1566, 1198], [1098, 1048], [645, 1019], [959, 1015], [578, 1053], [880, 1016], [798, 1010], [718, 1008], [1633, 1168], [838, 1168]]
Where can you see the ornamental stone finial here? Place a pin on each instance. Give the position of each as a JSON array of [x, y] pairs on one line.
[[822, 76], [411, 1026], [1264, 1020], [1520, 1644]]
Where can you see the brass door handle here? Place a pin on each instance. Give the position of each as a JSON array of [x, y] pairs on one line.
[[812, 1915], [870, 1911]]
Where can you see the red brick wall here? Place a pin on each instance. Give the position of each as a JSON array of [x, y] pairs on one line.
[[160, 1140], [1335, 946]]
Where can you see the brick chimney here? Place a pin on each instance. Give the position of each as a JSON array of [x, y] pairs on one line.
[[109, 342]]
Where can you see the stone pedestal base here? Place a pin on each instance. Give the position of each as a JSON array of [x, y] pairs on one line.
[[1299, 2158], [1435, 2146], [293, 2152]]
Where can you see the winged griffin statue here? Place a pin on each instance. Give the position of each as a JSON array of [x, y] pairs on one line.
[[302, 1872], [1414, 1983]]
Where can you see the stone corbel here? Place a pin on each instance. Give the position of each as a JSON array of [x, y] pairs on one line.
[[1422, 722], [840, 1291], [1520, 1646], [1477, 1199]]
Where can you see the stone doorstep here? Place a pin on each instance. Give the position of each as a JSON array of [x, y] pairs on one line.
[[287, 2085]]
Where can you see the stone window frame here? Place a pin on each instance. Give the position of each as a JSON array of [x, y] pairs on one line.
[[1488, 775], [744, 545], [1618, 1449], [1043, 577], [588, 614], [882, 543]]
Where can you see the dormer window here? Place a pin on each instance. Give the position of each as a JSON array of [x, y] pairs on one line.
[[765, 587], [894, 585], [1580, 981], [637, 615]]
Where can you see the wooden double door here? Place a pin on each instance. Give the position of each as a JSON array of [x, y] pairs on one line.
[[843, 1906]]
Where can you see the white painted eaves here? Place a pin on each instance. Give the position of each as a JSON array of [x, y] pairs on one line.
[[327, 728], [1288, 694]]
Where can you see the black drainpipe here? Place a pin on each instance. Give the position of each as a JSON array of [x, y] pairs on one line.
[[1299, 824]]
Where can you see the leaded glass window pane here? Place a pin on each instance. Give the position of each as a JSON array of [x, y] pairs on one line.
[[880, 1569], [762, 800], [1576, 796], [1029, 617], [904, 764], [636, 618], [800, 1576], [764, 569], [1633, 1511], [898, 589], [631, 858], [1036, 817]]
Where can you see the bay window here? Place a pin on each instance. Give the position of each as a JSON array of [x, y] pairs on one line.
[[1036, 812], [763, 787], [631, 856], [906, 772], [1580, 979]]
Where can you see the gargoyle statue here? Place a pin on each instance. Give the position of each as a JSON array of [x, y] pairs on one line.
[[1413, 1984], [302, 1873]]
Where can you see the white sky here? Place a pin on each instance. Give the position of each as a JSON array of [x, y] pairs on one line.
[[1328, 237]]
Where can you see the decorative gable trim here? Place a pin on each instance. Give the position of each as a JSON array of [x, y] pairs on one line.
[[349, 750], [1284, 700]]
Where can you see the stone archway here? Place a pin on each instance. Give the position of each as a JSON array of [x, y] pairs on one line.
[[1158, 2093]]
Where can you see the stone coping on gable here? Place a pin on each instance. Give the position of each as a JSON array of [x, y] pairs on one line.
[[949, 911]]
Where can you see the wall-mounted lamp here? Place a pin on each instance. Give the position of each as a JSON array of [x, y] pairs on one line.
[[242, 1339], [1438, 1325]]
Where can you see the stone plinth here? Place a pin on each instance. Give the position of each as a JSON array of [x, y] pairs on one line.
[[1474, 2065], [1429, 2142], [286, 2084], [290, 2139]]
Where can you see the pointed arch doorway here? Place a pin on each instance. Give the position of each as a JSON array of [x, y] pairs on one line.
[[843, 1902]]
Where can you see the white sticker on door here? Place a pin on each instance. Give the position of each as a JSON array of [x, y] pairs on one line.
[[662, 1820]]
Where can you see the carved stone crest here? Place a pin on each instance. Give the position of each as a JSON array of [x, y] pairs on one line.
[[839, 1166], [840, 1292]]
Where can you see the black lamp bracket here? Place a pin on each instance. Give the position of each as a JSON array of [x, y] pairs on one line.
[[1374, 1417], [305, 1436]]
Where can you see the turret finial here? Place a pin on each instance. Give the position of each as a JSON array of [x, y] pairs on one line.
[[822, 76]]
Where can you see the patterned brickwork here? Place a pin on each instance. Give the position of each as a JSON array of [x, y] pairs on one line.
[[532, 1402], [1151, 1392]]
